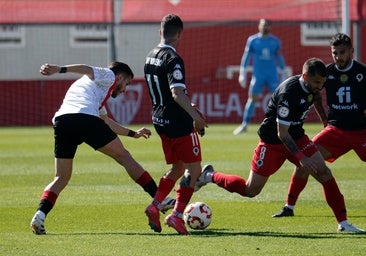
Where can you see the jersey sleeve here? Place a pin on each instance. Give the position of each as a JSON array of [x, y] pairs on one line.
[[103, 76], [247, 53], [284, 114], [176, 73], [279, 56]]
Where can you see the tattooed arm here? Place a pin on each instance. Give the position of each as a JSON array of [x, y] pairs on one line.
[[285, 137], [288, 141]]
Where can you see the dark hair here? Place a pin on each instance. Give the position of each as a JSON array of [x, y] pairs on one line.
[[170, 25], [314, 66], [340, 39], [120, 67]]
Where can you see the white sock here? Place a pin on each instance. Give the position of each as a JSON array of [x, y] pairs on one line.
[[41, 214], [343, 223], [290, 206]]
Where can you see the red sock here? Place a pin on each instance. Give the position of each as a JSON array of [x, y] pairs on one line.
[[296, 186], [335, 199], [184, 194], [232, 183], [144, 179], [49, 196], [165, 186]]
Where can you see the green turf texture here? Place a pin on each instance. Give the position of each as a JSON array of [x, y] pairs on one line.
[[101, 211]]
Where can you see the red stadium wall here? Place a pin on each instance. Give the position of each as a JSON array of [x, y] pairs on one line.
[[207, 51], [221, 101]]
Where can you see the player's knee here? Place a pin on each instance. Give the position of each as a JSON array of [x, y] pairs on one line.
[[323, 174], [250, 192]]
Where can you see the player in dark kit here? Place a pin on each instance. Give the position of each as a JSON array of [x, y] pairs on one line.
[[346, 99], [176, 121], [282, 138]]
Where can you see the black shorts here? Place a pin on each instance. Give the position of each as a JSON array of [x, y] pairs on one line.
[[71, 130]]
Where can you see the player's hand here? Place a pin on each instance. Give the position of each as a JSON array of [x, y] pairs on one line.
[[200, 124], [49, 69], [242, 79], [203, 117], [311, 165], [143, 132]]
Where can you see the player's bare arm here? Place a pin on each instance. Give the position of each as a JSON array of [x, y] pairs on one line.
[[182, 99], [319, 109], [121, 130], [285, 137], [50, 69], [290, 144]]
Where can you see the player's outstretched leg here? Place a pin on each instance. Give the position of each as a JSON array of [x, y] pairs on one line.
[[205, 177]]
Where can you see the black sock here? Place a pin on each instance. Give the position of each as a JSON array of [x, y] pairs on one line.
[[45, 206], [151, 188]]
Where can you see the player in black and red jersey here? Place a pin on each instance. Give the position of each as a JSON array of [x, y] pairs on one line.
[[176, 121], [346, 119], [282, 138]]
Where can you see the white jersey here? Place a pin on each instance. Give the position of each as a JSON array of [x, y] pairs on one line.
[[86, 96]]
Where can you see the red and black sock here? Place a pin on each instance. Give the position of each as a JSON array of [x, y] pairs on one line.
[[147, 183], [48, 200]]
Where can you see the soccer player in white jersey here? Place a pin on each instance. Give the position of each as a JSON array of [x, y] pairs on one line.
[[82, 117]]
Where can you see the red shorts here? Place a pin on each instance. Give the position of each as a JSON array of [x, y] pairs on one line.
[[338, 142], [186, 148], [268, 158]]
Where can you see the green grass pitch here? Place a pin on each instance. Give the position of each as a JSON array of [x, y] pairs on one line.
[[101, 211]]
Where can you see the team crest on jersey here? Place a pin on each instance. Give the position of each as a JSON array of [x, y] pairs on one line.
[[124, 107], [359, 77], [343, 78], [310, 98], [177, 74], [283, 111]]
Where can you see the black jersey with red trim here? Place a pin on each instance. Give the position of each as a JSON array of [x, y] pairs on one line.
[[164, 69], [346, 96], [289, 104]]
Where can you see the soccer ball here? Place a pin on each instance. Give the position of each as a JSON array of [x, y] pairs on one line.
[[197, 215]]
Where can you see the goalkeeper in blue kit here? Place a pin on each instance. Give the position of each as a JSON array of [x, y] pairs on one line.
[[263, 52]]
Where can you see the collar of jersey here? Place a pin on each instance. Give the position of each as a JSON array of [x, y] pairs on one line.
[[301, 81], [166, 45]]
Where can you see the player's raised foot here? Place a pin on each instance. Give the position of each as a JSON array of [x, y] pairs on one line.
[[37, 225], [167, 204], [349, 228], [152, 213], [285, 212], [240, 129], [205, 177], [177, 223]]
